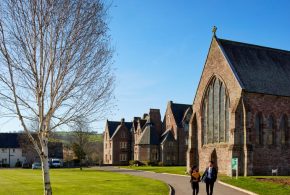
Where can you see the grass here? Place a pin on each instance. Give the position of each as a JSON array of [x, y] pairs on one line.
[[74, 181], [166, 169], [259, 187]]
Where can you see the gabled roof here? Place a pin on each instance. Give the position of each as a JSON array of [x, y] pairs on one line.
[[127, 124], [178, 111], [142, 123], [9, 140], [112, 127], [167, 136], [258, 69], [149, 135], [135, 123]]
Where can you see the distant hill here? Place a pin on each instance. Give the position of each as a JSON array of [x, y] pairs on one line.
[[66, 136]]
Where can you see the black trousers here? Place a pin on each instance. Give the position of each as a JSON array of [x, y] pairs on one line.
[[209, 187], [195, 188]]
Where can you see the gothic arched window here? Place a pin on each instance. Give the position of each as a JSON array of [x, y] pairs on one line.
[[259, 129], [273, 129], [215, 113], [284, 129]]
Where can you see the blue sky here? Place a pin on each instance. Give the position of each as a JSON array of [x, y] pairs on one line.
[[161, 46]]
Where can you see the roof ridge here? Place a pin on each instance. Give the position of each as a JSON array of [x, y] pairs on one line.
[[181, 104], [255, 45]]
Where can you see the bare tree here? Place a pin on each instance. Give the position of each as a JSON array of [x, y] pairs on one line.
[[81, 131], [55, 61]]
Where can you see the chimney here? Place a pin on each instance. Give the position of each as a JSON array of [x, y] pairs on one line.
[[122, 120]]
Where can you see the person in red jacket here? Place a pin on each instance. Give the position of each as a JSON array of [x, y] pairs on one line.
[[194, 180]]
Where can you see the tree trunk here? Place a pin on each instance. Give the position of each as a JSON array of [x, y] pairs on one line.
[[45, 172]]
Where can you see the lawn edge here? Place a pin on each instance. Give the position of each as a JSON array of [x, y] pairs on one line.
[[171, 189], [237, 188], [153, 171]]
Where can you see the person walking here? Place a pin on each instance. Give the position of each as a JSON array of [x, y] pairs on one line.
[[209, 177], [194, 180]]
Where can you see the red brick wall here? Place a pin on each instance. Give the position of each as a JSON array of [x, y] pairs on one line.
[[267, 156], [115, 150]]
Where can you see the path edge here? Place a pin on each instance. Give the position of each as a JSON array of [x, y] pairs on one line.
[[237, 188], [171, 189]]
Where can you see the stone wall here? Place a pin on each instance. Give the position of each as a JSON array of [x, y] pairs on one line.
[[216, 66], [268, 155], [254, 158]]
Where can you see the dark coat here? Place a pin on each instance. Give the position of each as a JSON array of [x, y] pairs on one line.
[[206, 179]]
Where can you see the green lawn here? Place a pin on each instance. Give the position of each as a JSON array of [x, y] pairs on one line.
[[74, 181], [259, 187], [166, 169]]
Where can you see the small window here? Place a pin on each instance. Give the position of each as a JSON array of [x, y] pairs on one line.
[[13, 150], [123, 145], [259, 129], [123, 134], [186, 141], [123, 157], [186, 127], [3, 150], [154, 155]]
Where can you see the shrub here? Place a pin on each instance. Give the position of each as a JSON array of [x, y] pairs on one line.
[[160, 164], [149, 163], [18, 164], [135, 163], [5, 165]]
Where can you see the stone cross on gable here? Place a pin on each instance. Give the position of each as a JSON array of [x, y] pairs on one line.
[[214, 29]]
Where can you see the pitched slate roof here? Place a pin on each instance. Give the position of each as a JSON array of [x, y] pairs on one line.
[[135, 123], [167, 136], [259, 69], [9, 140], [112, 127], [149, 135], [178, 111], [127, 124], [142, 122]]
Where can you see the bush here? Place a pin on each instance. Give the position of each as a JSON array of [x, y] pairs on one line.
[[160, 164], [149, 163], [5, 165], [18, 164], [135, 163]]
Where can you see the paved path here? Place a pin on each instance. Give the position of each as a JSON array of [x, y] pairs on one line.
[[180, 183]]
